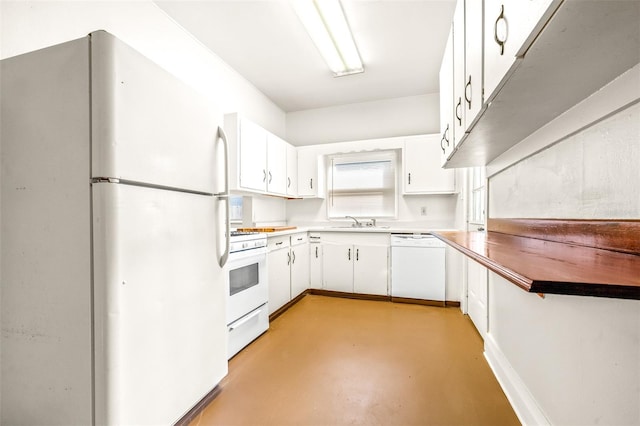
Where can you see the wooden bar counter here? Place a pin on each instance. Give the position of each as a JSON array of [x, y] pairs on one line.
[[543, 266]]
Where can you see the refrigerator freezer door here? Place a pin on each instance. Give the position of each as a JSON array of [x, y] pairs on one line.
[[148, 126], [160, 336]]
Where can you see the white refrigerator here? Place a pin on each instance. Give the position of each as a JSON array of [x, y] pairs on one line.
[[114, 231]]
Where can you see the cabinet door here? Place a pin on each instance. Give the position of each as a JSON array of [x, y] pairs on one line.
[[509, 27], [423, 174], [370, 269], [299, 269], [337, 267], [315, 266], [473, 63], [292, 171], [253, 156], [278, 263], [310, 174], [276, 165], [458, 73], [446, 101], [477, 295]]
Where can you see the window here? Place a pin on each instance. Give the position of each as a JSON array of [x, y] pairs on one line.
[[362, 185], [477, 198]]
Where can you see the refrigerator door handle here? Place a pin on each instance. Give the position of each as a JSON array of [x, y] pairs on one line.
[[222, 135], [227, 231], [224, 196]]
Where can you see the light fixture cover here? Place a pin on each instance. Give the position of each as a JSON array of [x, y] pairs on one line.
[[327, 26]]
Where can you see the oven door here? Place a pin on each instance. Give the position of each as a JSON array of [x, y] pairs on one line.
[[247, 273]]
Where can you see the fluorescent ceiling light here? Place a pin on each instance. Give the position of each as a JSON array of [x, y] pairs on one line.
[[327, 25]]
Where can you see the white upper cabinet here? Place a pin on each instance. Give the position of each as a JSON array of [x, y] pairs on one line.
[[446, 100], [473, 76], [276, 165], [252, 146], [257, 158], [422, 171], [292, 171], [458, 73], [310, 174], [538, 59]]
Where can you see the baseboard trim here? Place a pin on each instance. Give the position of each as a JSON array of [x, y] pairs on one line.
[[523, 403], [199, 407], [359, 296]]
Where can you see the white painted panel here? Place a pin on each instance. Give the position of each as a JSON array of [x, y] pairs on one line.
[[160, 325], [592, 174], [579, 357]]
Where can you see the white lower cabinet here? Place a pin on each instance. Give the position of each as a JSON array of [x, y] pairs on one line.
[[278, 265], [288, 265], [299, 264], [315, 261], [356, 263], [370, 271], [337, 267]]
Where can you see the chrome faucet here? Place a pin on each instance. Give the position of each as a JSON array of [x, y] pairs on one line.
[[356, 224]]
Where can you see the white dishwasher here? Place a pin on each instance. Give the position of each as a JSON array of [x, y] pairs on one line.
[[417, 267]]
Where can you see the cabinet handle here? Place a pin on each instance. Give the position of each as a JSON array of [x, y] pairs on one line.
[[446, 134], [349, 255], [311, 183], [264, 175], [300, 239], [467, 89], [316, 252], [288, 259], [293, 260], [500, 42], [270, 177], [409, 178], [459, 116], [288, 182], [357, 254], [442, 144]]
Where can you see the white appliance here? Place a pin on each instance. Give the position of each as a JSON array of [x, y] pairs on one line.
[[248, 293], [114, 233], [417, 267]]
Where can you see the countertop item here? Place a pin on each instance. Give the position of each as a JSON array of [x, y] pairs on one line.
[[267, 229]]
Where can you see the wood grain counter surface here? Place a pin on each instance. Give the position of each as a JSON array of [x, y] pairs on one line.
[[541, 266]]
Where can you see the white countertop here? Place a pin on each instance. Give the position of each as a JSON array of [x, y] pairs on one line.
[[377, 229]]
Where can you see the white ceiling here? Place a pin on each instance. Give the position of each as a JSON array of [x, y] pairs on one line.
[[401, 44]]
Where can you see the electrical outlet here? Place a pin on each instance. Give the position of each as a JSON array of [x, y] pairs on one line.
[[423, 211]]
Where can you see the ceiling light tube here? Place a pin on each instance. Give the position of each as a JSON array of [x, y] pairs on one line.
[[327, 26]]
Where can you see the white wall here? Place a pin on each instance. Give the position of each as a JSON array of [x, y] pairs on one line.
[[412, 115], [577, 358], [30, 25]]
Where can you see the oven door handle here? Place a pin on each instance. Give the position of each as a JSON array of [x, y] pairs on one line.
[[245, 320]]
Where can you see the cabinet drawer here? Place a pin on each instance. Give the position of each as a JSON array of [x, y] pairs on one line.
[[297, 239], [277, 242]]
